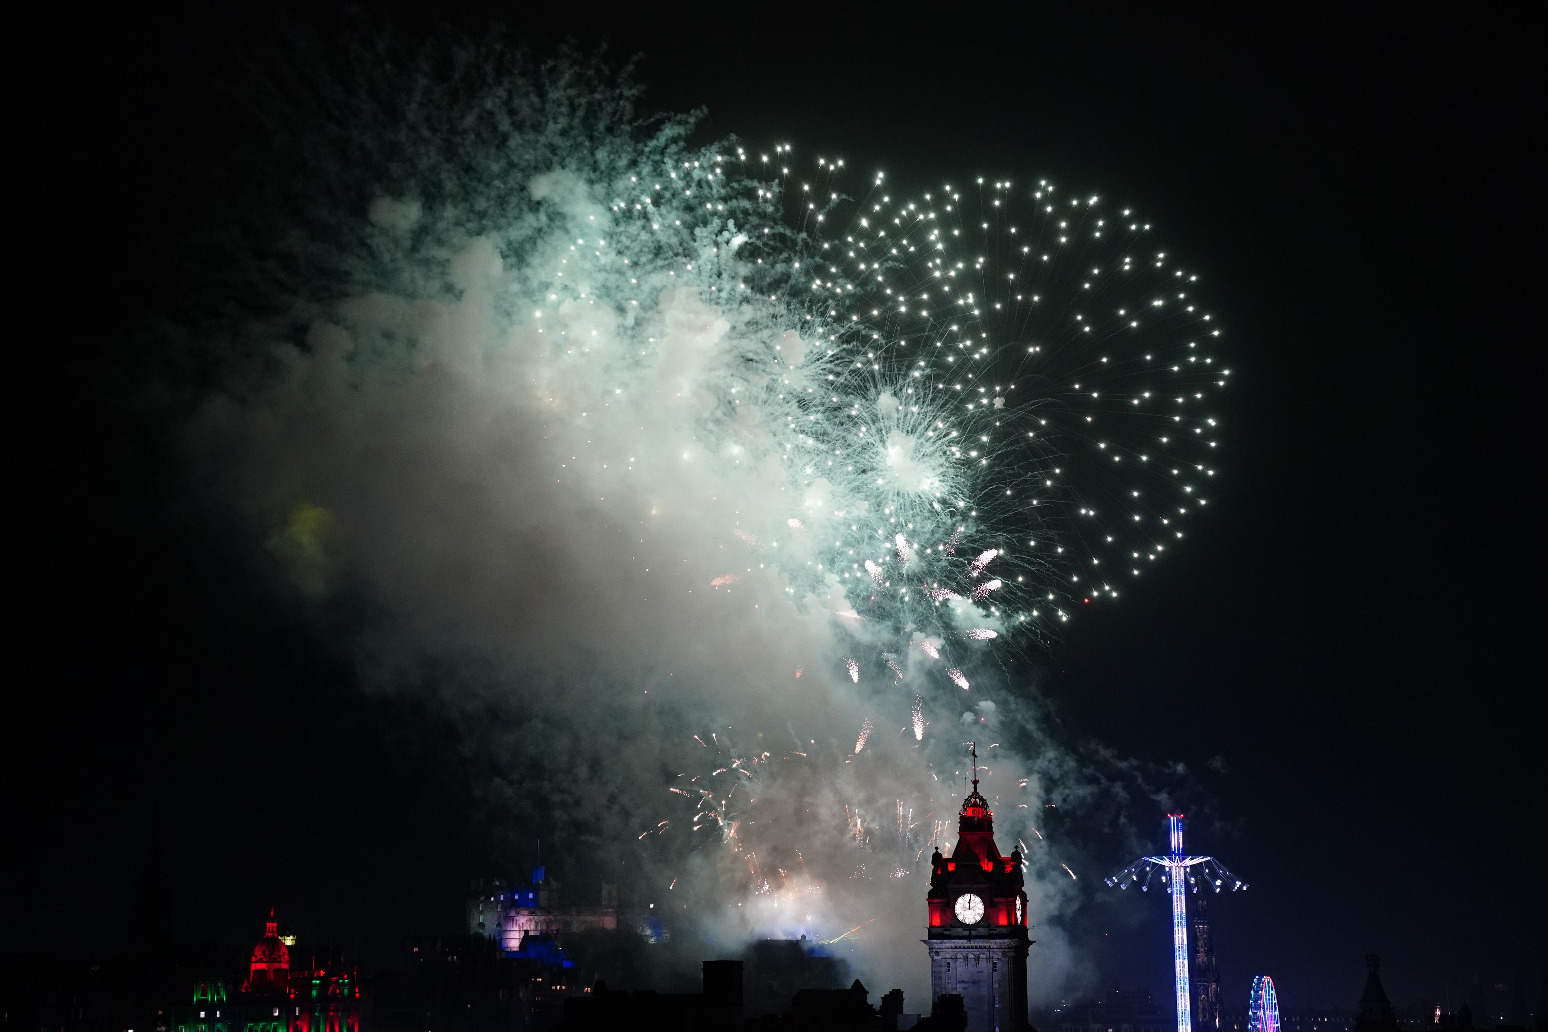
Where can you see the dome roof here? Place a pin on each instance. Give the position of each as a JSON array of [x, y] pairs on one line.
[[271, 951], [975, 814]]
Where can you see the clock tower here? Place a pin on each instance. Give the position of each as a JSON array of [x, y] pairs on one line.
[[978, 923]]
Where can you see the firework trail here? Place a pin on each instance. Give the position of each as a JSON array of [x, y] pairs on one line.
[[865, 734], [977, 565], [983, 590]]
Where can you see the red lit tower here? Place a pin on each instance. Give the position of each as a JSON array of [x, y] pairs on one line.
[[978, 923], [269, 971]]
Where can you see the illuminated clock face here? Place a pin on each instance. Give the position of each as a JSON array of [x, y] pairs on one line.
[[969, 908]]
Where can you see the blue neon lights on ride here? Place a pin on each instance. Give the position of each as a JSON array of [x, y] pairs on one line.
[[1182, 872], [1179, 923]]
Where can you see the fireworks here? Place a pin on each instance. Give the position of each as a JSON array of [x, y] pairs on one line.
[[720, 794], [999, 367], [1003, 368], [1008, 368]]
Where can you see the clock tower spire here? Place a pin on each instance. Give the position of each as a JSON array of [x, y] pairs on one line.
[[977, 936]]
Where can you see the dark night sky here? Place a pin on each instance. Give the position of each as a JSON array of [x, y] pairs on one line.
[[1349, 629]]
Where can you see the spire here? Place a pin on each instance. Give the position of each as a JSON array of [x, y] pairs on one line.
[[1375, 1011], [975, 815], [271, 930]]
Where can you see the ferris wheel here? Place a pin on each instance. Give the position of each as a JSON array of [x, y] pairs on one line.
[[1263, 1010]]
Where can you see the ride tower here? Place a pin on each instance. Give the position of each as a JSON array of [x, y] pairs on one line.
[[977, 936], [1182, 873]]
